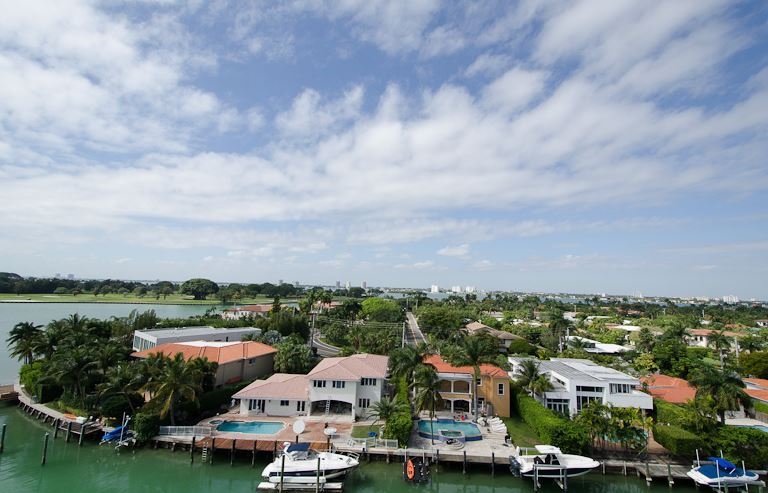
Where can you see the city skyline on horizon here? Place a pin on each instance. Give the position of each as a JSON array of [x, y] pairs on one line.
[[550, 146]]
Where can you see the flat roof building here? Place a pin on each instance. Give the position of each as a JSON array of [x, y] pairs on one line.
[[147, 339]]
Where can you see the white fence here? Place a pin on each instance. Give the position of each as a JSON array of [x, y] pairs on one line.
[[371, 442], [185, 431]]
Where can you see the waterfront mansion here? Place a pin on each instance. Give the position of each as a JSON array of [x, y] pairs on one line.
[[576, 382], [343, 386]]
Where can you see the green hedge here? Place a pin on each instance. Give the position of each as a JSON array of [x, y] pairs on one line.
[[760, 406], [739, 443], [669, 413], [399, 425], [677, 440], [550, 427]]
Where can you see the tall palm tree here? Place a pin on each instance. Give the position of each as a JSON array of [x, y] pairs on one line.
[[122, 380], [179, 380], [74, 368], [404, 361], [428, 393], [723, 387], [23, 340], [720, 342], [474, 351]]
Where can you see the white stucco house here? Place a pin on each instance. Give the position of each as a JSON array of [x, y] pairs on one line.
[[576, 382], [342, 386]]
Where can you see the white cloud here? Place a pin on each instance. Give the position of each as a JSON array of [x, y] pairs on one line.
[[514, 90], [455, 251], [488, 64], [426, 264], [309, 117]]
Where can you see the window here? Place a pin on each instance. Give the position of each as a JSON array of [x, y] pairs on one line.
[[256, 405], [363, 403], [318, 384], [501, 389], [479, 382], [581, 388], [558, 405], [621, 388], [338, 384], [283, 403], [301, 406], [368, 382], [252, 361], [584, 400]]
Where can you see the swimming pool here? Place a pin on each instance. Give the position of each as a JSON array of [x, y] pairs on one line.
[[444, 429], [762, 428], [254, 427]]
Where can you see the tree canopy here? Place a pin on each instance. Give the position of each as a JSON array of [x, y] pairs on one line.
[[199, 288]]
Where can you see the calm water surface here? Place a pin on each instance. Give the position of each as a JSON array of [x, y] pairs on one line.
[[42, 313], [91, 468]]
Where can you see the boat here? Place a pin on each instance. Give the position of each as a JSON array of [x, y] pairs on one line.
[[721, 472], [416, 470], [303, 464], [548, 461], [120, 434]]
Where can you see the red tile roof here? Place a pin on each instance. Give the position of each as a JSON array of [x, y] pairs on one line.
[[670, 389], [759, 394], [219, 352], [757, 382], [443, 367]]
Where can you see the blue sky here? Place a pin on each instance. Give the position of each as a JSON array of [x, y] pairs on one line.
[[559, 146]]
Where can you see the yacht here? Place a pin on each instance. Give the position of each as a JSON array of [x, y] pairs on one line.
[[721, 472], [299, 462], [547, 461]]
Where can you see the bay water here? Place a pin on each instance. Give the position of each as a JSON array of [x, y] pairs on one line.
[[89, 468], [42, 313]]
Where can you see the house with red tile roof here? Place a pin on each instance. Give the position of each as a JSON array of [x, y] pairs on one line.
[[346, 386], [700, 337], [493, 396], [505, 338], [237, 360], [245, 311], [757, 389], [669, 389]]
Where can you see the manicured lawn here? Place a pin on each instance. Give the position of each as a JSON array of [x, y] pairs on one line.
[[361, 431], [522, 434]]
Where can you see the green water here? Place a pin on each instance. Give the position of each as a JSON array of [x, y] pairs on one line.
[[91, 468]]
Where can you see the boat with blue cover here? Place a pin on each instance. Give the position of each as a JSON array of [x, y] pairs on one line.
[[718, 471]]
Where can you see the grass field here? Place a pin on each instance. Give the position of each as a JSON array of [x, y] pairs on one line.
[[173, 299], [361, 431], [522, 434]]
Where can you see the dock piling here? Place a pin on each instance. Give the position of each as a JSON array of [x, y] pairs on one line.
[[464, 462], [2, 439], [493, 463], [45, 449], [232, 453], [192, 451], [69, 430]]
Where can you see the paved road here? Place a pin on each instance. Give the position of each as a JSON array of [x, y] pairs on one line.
[[323, 349], [413, 334]]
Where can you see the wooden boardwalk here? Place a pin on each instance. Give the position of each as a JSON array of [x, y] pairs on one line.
[[61, 423]]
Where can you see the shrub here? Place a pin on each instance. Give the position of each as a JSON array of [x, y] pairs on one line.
[[543, 421], [145, 426], [669, 413], [399, 426], [760, 406], [739, 443], [677, 440]]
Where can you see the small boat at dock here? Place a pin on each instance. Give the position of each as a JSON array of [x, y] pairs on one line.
[[717, 472], [548, 461]]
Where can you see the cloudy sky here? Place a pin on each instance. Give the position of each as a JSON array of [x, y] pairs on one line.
[[563, 146]]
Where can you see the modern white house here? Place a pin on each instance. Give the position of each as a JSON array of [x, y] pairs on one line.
[[577, 382], [595, 347], [147, 339], [342, 386]]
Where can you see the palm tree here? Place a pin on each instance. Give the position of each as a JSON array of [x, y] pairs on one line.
[[474, 351], [179, 380], [724, 388], [531, 378], [720, 342], [385, 409], [74, 368], [122, 380], [427, 393], [23, 340], [404, 361]]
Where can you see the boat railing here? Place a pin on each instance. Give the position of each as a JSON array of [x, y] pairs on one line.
[[186, 431]]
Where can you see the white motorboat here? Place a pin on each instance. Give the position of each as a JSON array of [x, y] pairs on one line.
[[547, 461], [300, 462], [721, 472]]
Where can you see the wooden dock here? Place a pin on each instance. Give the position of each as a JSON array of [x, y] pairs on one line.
[[8, 394]]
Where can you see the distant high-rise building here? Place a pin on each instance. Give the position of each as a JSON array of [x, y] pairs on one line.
[[470, 289], [455, 289], [296, 284], [730, 299], [364, 285], [434, 289], [338, 284], [70, 276], [346, 284], [280, 282]]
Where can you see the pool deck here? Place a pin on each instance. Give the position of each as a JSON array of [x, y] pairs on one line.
[[314, 428]]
